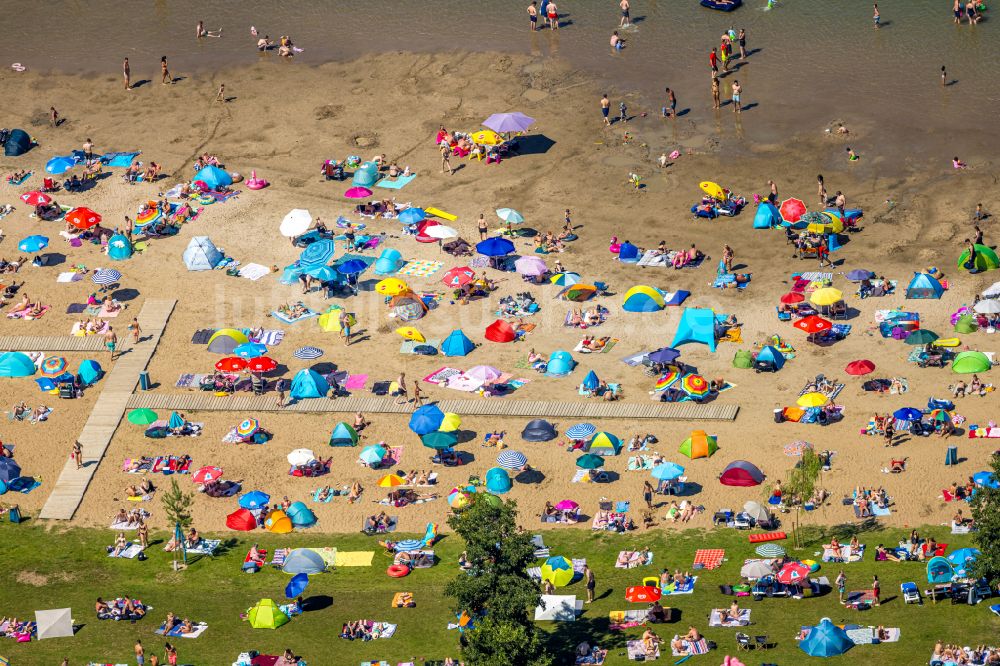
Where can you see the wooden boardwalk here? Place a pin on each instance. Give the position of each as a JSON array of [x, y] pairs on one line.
[[52, 343], [116, 390], [251, 404]]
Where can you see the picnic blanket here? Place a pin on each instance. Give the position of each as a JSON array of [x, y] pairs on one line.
[[626, 619], [641, 462], [206, 547], [442, 375], [197, 631], [397, 184], [709, 558], [652, 258], [635, 559], [253, 272], [716, 618], [847, 554], [157, 465], [131, 551], [328, 553], [280, 316], [354, 558], [420, 268], [636, 650], [831, 394], [699, 646]]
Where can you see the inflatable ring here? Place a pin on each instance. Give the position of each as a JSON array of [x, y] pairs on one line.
[[205, 200], [812, 564], [397, 570], [18, 67]]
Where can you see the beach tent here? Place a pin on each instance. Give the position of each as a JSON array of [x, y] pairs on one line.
[[329, 321], [699, 445], [407, 307], [213, 177], [388, 262], [90, 372], [9, 470], [301, 515], [500, 331], [590, 382], [16, 364], [642, 298], [741, 473], [968, 362], [767, 216], [304, 560], [457, 344], [539, 430], [924, 286], [201, 254], [498, 481], [577, 292], [18, 143], [986, 259], [939, 570], [826, 640], [55, 623], [278, 522], [605, 444], [560, 363], [743, 359], [426, 419], [119, 248], [241, 520], [771, 357], [225, 340], [343, 435], [696, 325], [365, 175], [628, 253], [266, 615], [966, 324], [308, 384]]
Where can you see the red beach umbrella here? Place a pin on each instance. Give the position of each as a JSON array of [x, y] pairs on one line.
[[231, 364], [813, 324], [793, 573], [206, 474], [860, 367], [791, 298], [792, 209], [642, 594], [459, 276], [261, 364], [36, 198], [83, 218]]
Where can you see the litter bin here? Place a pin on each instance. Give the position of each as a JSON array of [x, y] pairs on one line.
[[144, 382]]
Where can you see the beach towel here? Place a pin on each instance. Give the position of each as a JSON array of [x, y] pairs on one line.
[[709, 558], [880, 511], [699, 646], [846, 555], [358, 558], [271, 337], [636, 650], [650, 258], [308, 314], [254, 272], [197, 631], [328, 553], [278, 559], [70, 276], [442, 375], [130, 551], [541, 550], [397, 184], [105, 313], [625, 619], [420, 268], [635, 559], [11, 181], [675, 589], [402, 600], [816, 276], [716, 618], [23, 314], [206, 547]]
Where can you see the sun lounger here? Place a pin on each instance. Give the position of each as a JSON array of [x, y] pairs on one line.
[[278, 559], [541, 550]]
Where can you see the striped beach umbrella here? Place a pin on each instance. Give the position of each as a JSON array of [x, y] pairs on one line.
[[510, 459], [106, 276], [770, 550], [581, 431], [407, 545], [390, 481], [248, 427], [307, 353], [667, 379], [53, 365], [565, 279], [695, 386]]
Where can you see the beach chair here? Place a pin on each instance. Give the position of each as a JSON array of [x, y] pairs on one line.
[[743, 642], [911, 595], [783, 316]]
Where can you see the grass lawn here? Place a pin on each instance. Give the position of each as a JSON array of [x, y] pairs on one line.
[[58, 568]]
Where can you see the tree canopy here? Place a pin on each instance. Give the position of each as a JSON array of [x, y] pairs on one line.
[[986, 513]]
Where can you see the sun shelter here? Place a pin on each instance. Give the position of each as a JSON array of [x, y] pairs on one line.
[[457, 344], [642, 298], [119, 248], [605, 444], [826, 640], [266, 615], [699, 445], [55, 623], [924, 286], [304, 560], [770, 358], [767, 216], [278, 522], [329, 321], [696, 325], [966, 324], [498, 481], [968, 362], [590, 382], [558, 608], [577, 292], [388, 262], [16, 364], [558, 570], [214, 177], [741, 473], [9, 470], [986, 259], [628, 253], [560, 364], [301, 515], [343, 435], [90, 372], [18, 143], [539, 430], [939, 571], [743, 359], [201, 254], [225, 340], [500, 331], [365, 175], [241, 520], [308, 384]]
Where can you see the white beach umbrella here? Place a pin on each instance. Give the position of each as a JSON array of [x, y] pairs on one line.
[[295, 223], [301, 457], [987, 307], [440, 231], [992, 291]]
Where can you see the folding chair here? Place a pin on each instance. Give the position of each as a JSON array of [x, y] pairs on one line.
[[911, 595], [743, 642]]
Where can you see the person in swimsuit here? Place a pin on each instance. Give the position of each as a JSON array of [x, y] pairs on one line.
[[876, 17], [605, 108], [165, 73], [957, 10], [670, 111], [552, 13], [625, 18], [533, 15], [482, 226], [743, 44], [737, 89], [127, 71]]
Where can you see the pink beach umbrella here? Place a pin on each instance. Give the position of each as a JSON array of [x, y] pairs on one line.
[[358, 193], [530, 266], [567, 505]]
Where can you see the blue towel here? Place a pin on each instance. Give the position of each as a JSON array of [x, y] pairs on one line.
[[879, 511], [119, 159], [621, 507], [397, 184]]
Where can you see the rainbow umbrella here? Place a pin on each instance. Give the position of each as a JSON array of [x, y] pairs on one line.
[[797, 448], [248, 427], [940, 415], [666, 379], [695, 386], [53, 365], [458, 499]]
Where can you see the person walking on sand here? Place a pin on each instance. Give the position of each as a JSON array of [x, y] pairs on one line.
[[742, 38], [140, 653], [944, 76], [737, 89], [418, 397], [110, 340], [280, 388], [127, 71], [78, 454], [670, 110], [876, 17], [135, 330], [445, 161], [821, 189], [841, 584], [221, 96], [345, 327], [165, 77], [716, 95], [588, 576], [401, 389], [605, 108], [647, 494], [53, 116], [625, 17], [88, 149], [533, 15]]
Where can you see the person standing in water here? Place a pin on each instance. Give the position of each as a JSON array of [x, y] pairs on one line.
[[127, 71], [743, 43], [944, 76], [533, 15], [670, 110], [876, 17], [552, 14], [716, 99], [737, 89], [164, 71], [625, 18]]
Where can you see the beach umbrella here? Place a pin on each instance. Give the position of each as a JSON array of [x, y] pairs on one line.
[[142, 417], [756, 510], [484, 373], [796, 448], [962, 559], [451, 422], [756, 569], [440, 232], [357, 193], [494, 247], [248, 427], [642, 594], [921, 336], [565, 279], [826, 296], [83, 218], [664, 355], [486, 138], [531, 266], [372, 455], [987, 307], [558, 570], [206, 474], [695, 386], [813, 324], [307, 353], [230, 364], [511, 459], [510, 216], [439, 440], [813, 399], [391, 287], [295, 223], [665, 380], [770, 550], [581, 431], [320, 272], [458, 499], [59, 165], [53, 365], [33, 244], [318, 253], [426, 419], [793, 573], [859, 274], [411, 333], [36, 198], [459, 276], [940, 415], [713, 190], [792, 298], [590, 461], [106, 276], [352, 267], [9, 471], [297, 585], [908, 414], [567, 505], [300, 457], [390, 481], [985, 480], [509, 122], [667, 471], [860, 367], [175, 420], [250, 350], [412, 215], [792, 209], [255, 499], [262, 364]]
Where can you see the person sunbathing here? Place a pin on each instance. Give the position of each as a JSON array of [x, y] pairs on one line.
[[193, 539], [422, 479], [355, 493], [324, 494], [169, 623], [100, 607], [186, 627], [255, 556], [687, 511], [146, 487], [120, 544]]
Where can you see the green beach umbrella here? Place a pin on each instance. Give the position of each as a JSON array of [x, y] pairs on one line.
[[142, 416], [968, 362], [439, 440], [921, 336], [986, 259], [590, 461]]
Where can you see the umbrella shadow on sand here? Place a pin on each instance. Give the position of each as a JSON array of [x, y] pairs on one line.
[[534, 144], [316, 602], [531, 476], [127, 294]]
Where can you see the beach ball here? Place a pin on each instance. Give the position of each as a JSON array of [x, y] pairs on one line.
[[812, 564]]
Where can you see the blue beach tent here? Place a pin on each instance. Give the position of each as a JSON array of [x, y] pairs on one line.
[[826, 640], [924, 286], [308, 384], [457, 344], [214, 177], [767, 216], [696, 325]]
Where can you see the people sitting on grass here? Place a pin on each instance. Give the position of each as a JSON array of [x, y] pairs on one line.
[[121, 543], [122, 608]]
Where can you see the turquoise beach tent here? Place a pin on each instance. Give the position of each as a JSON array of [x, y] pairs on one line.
[[301, 515], [388, 262], [767, 216], [16, 364], [826, 640], [343, 435], [560, 363], [771, 355], [590, 382], [201, 254], [457, 344], [924, 286], [939, 571], [119, 248], [366, 175], [214, 177], [696, 325], [498, 481], [90, 372], [308, 384]]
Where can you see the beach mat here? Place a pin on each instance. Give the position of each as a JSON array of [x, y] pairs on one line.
[[358, 558], [355, 382], [397, 184]]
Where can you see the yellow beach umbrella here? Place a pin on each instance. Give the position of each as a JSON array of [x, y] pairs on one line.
[[836, 222], [812, 400], [558, 570], [451, 422], [390, 481], [712, 189], [392, 287], [826, 296], [411, 333], [486, 138]]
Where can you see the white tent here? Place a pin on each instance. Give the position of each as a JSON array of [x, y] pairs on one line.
[[558, 608], [201, 254], [55, 623]]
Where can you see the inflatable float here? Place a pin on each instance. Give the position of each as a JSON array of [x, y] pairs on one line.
[[255, 183], [397, 570], [722, 5]]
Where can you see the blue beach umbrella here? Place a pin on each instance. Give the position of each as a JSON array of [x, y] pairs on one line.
[[495, 247], [254, 499], [297, 585], [664, 355], [319, 252], [250, 350], [907, 414], [352, 267], [59, 165], [307, 353], [33, 244], [581, 431], [667, 471], [986, 480], [962, 560], [511, 459], [321, 272], [427, 419], [859, 274], [175, 420], [412, 215], [371, 455]]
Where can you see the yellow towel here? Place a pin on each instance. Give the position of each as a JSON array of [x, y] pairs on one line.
[[358, 558], [329, 555]]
